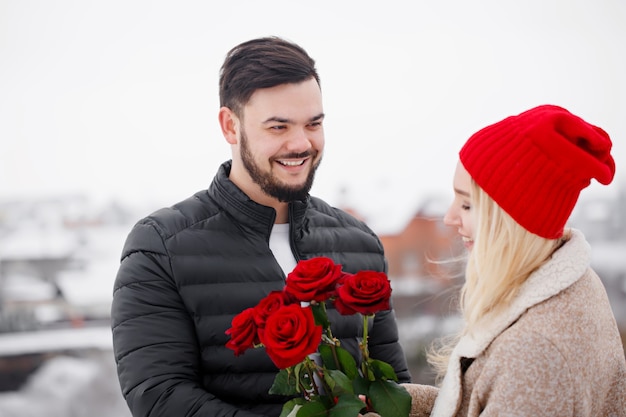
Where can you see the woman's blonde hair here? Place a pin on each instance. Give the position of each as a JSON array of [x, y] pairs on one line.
[[504, 255]]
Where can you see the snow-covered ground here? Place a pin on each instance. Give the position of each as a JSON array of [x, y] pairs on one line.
[[69, 386], [83, 384]]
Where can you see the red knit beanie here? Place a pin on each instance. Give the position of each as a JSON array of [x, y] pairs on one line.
[[535, 164]]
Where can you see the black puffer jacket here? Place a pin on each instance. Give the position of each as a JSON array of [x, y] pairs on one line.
[[186, 271]]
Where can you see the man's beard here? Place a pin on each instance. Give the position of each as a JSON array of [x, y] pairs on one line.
[[271, 185]]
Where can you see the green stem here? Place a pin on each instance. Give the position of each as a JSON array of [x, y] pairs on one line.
[[333, 348], [311, 369], [366, 353], [329, 332], [364, 349]]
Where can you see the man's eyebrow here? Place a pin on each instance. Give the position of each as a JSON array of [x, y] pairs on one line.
[[276, 119], [461, 192]]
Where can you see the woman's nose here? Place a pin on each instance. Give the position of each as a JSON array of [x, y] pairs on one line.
[[451, 218]]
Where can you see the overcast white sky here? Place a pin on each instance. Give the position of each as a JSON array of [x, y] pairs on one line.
[[118, 99]]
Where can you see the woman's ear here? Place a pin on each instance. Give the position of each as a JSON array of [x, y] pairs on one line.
[[229, 124]]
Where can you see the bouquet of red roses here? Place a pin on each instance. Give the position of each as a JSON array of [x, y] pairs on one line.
[[294, 328]]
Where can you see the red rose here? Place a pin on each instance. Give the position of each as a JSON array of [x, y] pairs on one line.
[[243, 333], [268, 305], [290, 335], [313, 279], [365, 292]]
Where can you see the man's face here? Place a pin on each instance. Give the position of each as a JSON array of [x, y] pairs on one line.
[[281, 139], [269, 182]]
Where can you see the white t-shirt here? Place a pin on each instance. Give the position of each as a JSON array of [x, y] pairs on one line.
[[279, 245]]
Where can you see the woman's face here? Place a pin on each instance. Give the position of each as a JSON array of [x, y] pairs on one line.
[[459, 214]]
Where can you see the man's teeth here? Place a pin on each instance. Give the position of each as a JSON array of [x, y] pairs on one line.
[[291, 163], [466, 239]]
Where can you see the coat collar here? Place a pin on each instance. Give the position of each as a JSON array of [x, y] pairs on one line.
[[565, 267], [246, 211]]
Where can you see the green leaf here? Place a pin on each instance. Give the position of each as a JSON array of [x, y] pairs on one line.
[[347, 406], [347, 364], [328, 359], [284, 384], [319, 313], [389, 399], [301, 377], [361, 385], [313, 409], [289, 406], [382, 370], [338, 382]]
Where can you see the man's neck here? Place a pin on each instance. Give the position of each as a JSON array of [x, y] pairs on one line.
[[282, 213]]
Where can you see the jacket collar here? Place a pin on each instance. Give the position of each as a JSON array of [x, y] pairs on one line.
[[565, 267], [243, 209]]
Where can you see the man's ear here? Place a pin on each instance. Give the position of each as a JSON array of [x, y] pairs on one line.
[[229, 124]]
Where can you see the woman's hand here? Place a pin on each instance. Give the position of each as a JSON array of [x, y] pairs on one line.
[[369, 413], [422, 399]]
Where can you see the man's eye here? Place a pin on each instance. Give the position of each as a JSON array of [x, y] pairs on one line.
[[278, 127]]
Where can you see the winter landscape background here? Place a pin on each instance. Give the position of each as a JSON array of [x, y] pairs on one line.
[[59, 260], [108, 111]]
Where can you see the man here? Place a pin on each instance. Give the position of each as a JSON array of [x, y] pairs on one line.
[[187, 270]]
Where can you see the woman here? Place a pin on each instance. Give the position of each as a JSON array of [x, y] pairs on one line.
[[539, 336]]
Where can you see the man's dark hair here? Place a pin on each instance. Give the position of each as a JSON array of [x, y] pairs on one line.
[[262, 63]]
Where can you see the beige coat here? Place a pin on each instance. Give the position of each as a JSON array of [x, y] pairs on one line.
[[555, 351]]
